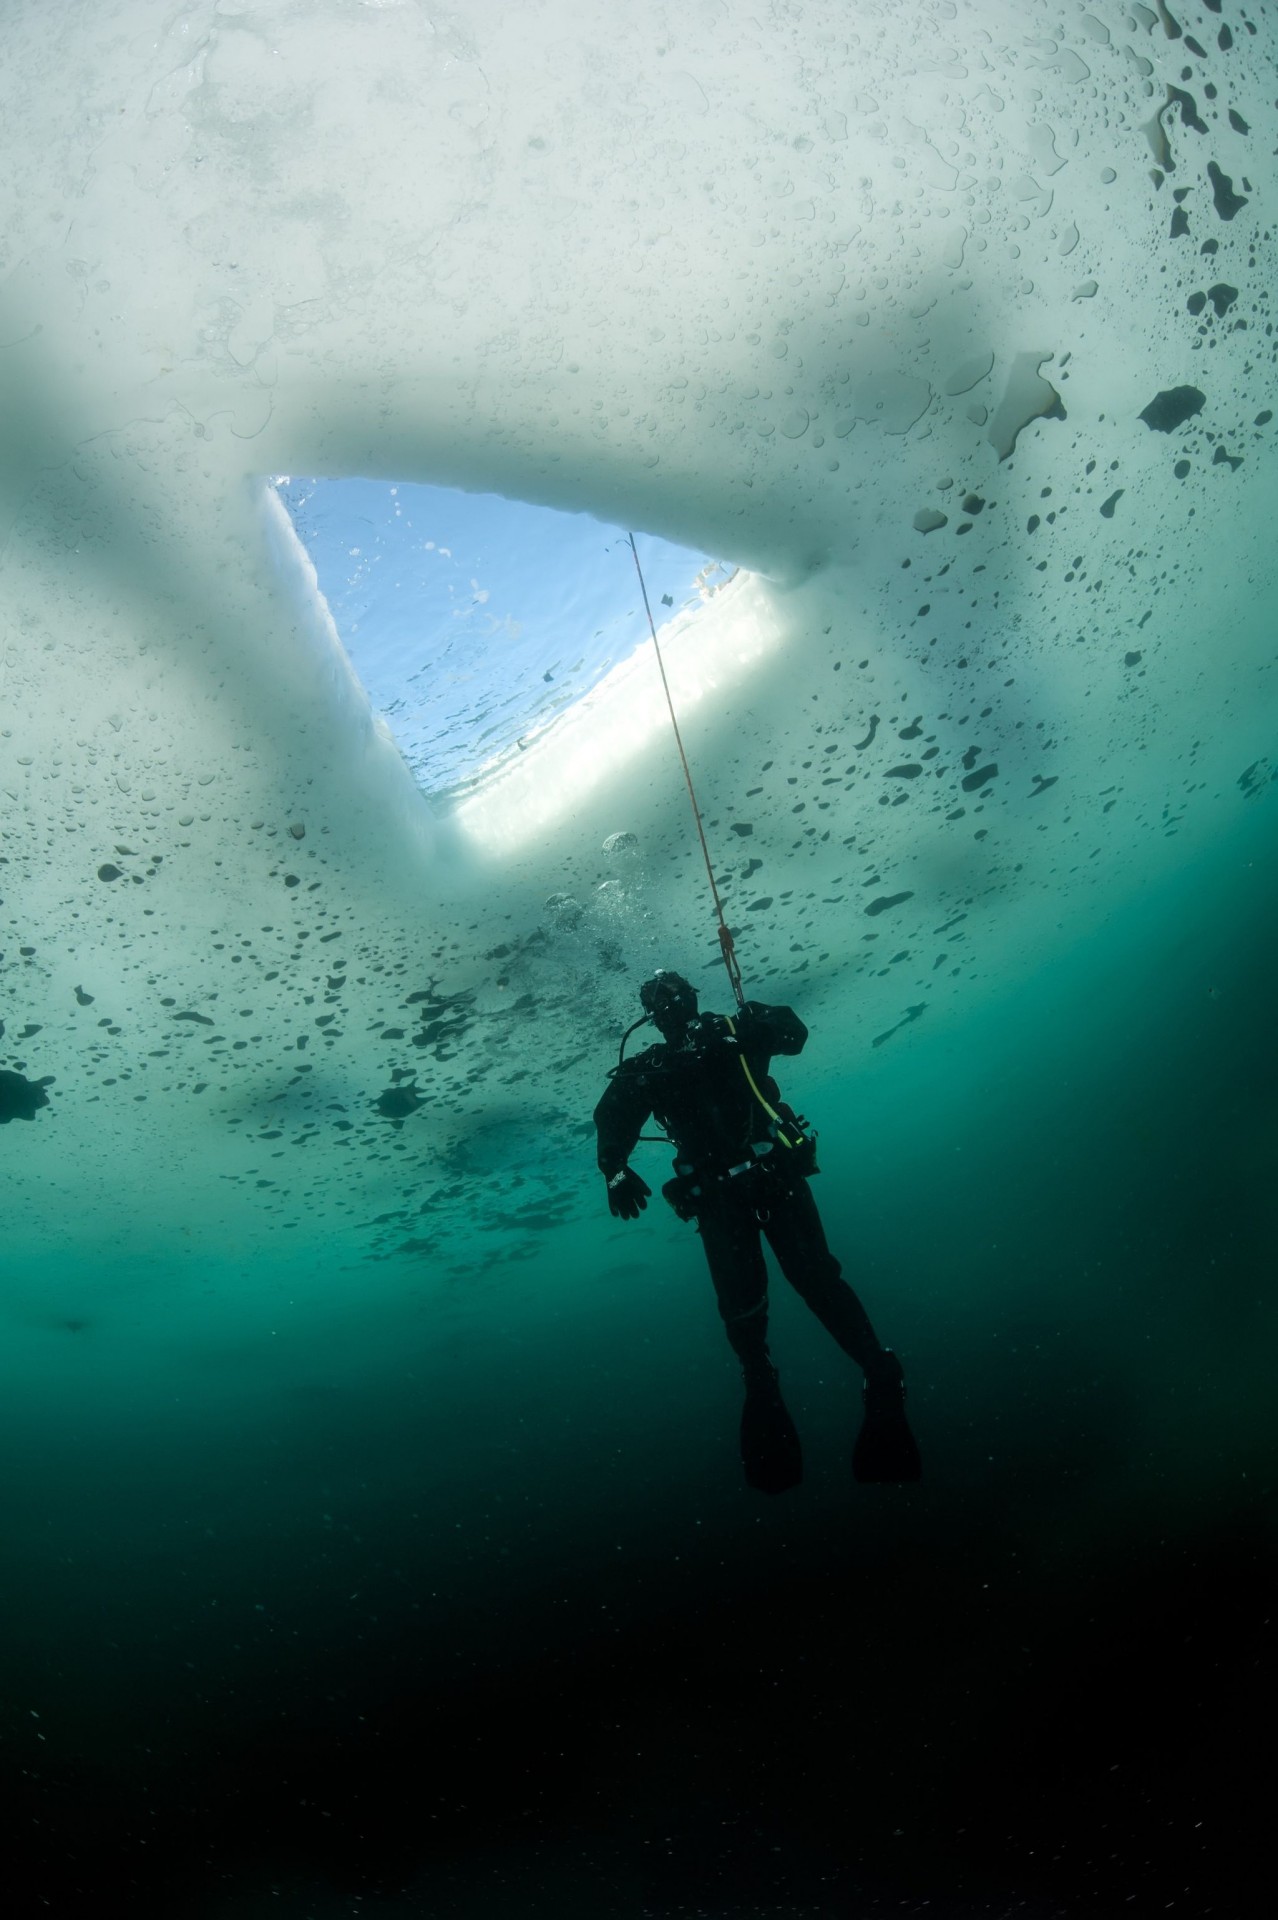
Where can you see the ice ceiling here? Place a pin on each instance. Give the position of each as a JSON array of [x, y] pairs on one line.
[[949, 324]]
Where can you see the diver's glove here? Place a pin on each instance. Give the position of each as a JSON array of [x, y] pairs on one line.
[[627, 1194]]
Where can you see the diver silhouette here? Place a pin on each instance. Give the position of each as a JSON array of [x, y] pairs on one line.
[[741, 1172]]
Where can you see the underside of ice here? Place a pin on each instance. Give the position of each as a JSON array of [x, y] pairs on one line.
[[948, 326]]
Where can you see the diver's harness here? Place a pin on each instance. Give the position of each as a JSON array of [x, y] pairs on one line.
[[790, 1139]]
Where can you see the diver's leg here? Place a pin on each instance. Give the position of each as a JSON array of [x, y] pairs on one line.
[[770, 1451], [730, 1237], [885, 1448], [797, 1237]]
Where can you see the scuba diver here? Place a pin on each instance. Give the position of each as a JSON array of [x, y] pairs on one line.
[[741, 1171]]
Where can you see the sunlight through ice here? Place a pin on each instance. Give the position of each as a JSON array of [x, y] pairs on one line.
[[705, 649]]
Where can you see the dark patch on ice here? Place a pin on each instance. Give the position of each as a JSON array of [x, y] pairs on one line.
[[1220, 459], [928, 520], [108, 871], [20, 1098], [438, 1032], [446, 1017], [910, 771], [1222, 297], [397, 1103], [975, 781], [1190, 116], [1228, 203], [1042, 782], [859, 746], [201, 1019], [83, 999], [885, 901], [760, 905], [432, 1002], [1255, 778], [1237, 122], [1132, 659], [1107, 511], [973, 503], [911, 1014], [742, 827], [1172, 407]]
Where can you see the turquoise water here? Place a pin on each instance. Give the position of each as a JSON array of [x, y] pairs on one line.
[[374, 1536]]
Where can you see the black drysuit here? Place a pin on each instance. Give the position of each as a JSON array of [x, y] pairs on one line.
[[697, 1090]]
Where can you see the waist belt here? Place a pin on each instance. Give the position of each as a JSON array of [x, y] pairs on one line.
[[688, 1170]]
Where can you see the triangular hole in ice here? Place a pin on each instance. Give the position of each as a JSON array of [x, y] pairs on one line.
[[473, 620]]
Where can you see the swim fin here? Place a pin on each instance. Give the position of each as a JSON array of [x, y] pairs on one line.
[[770, 1450], [886, 1451]]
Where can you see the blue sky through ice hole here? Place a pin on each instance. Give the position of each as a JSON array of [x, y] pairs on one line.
[[472, 620]]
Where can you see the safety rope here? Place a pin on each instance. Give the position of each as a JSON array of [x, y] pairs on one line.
[[726, 947]]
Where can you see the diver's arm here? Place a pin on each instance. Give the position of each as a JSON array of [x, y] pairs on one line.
[[619, 1120]]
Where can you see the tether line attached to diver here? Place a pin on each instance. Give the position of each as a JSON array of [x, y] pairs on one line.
[[725, 937]]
